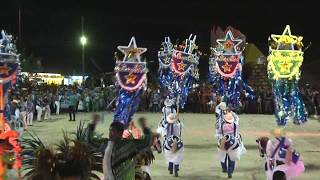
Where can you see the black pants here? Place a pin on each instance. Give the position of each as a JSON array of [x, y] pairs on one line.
[[72, 112]]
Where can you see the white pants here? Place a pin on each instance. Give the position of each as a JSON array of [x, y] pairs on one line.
[[57, 103], [29, 118], [39, 113], [24, 117], [47, 112]]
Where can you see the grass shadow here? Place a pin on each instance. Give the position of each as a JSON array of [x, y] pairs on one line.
[[312, 167]]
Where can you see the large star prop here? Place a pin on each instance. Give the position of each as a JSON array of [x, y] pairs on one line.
[[132, 52], [230, 43], [286, 38]]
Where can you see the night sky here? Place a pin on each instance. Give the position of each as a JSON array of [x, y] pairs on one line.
[[51, 29]]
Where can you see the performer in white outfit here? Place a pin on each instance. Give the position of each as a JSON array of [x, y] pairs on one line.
[[30, 110], [229, 141], [173, 145], [39, 110], [166, 110], [23, 112], [57, 103]]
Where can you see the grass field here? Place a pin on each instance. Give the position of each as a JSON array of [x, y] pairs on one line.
[[200, 161]]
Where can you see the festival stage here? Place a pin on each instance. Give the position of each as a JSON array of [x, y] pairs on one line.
[[200, 144]]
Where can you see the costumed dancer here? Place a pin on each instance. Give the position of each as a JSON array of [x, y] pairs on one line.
[[284, 62], [225, 73], [119, 157], [166, 110], [173, 145], [145, 157], [10, 148], [230, 144], [282, 160]]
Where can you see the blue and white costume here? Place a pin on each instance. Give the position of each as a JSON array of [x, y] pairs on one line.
[[173, 145], [230, 142], [166, 110]]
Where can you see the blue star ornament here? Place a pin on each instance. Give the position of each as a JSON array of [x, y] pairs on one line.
[[229, 44], [131, 52]]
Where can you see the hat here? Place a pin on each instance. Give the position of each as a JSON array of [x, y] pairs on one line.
[[172, 118], [223, 106], [228, 117], [15, 101], [168, 102], [278, 132]]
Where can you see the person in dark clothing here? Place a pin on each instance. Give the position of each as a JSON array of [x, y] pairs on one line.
[[72, 106], [92, 127]]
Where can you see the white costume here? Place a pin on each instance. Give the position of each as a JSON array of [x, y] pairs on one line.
[[173, 145], [230, 142], [237, 148], [166, 110]]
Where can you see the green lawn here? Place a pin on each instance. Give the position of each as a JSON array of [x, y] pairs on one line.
[[200, 145]]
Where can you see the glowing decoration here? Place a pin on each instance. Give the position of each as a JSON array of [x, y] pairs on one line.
[[225, 68], [178, 68], [9, 68], [284, 62], [131, 78]]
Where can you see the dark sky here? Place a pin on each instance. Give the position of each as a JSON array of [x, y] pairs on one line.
[[51, 29]]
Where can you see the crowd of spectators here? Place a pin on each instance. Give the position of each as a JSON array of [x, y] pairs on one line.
[[31, 101]]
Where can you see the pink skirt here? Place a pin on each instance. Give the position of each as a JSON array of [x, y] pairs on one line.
[[292, 170]]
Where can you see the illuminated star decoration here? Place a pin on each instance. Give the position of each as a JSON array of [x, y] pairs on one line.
[[4, 69], [286, 38], [181, 66], [131, 79], [230, 43], [132, 52], [226, 67], [285, 66]]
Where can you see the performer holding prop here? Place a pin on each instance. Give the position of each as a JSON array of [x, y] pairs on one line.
[[173, 145], [225, 73], [229, 141], [178, 73], [166, 110]]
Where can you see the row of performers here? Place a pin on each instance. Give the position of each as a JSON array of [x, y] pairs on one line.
[[282, 162], [281, 159]]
